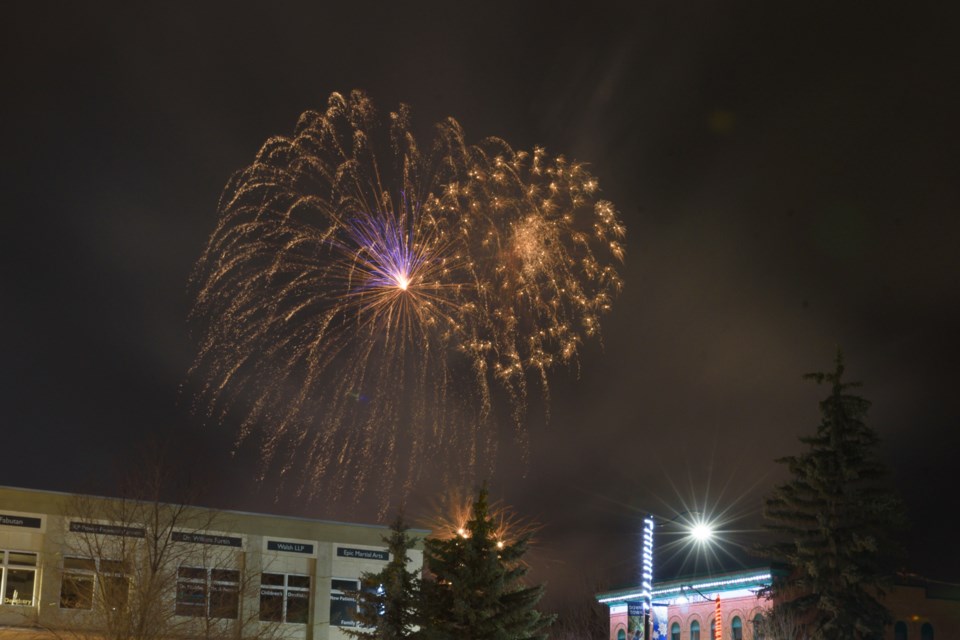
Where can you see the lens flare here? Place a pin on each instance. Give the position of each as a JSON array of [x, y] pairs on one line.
[[362, 298], [702, 532]]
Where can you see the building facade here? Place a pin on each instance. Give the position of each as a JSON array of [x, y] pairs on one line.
[[728, 606], [71, 562], [688, 609]]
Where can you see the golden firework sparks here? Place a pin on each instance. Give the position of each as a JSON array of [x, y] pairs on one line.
[[359, 299]]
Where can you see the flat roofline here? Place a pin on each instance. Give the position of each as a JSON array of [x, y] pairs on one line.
[[728, 580], [67, 494]]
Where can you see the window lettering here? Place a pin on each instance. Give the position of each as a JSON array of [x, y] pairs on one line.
[[18, 578], [343, 605], [284, 598], [203, 592]]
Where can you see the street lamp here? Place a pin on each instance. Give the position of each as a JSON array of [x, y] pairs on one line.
[[700, 530]]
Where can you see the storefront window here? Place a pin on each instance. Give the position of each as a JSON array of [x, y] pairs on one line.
[[18, 577], [284, 598], [76, 587], [224, 593], [83, 576], [203, 592], [191, 592], [343, 604]]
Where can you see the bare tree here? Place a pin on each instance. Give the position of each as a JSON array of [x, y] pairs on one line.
[[580, 616], [780, 623], [147, 567]]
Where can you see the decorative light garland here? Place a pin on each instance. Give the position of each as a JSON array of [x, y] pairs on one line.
[[703, 586]]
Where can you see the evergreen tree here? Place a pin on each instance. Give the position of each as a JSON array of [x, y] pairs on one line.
[[387, 601], [835, 522], [477, 591]]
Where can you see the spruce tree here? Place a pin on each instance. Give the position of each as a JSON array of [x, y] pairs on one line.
[[477, 591], [387, 603], [835, 522]]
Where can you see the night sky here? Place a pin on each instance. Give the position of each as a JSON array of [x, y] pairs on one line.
[[787, 175]]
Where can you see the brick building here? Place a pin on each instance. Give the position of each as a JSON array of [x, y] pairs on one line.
[[688, 608]]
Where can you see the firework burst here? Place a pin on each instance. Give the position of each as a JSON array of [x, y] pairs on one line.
[[451, 515], [361, 298]]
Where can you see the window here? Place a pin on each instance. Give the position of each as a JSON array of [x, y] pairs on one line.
[[343, 605], [621, 635], [114, 585], [675, 631], [736, 628], [758, 627], [76, 588], [82, 575], [224, 593], [18, 577], [203, 592], [284, 598], [926, 631], [900, 630], [191, 592], [694, 630], [713, 629], [343, 601]]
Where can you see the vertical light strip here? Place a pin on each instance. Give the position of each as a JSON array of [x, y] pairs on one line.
[[646, 586], [718, 618]]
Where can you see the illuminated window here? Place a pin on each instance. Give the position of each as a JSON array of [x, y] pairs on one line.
[[675, 631], [736, 628], [284, 598], [926, 631], [18, 577], [83, 577], [694, 630], [203, 592]]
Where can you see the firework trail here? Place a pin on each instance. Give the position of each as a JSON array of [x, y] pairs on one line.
[[361, 299]]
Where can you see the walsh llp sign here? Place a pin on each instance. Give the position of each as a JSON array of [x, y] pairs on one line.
[[284, 546]]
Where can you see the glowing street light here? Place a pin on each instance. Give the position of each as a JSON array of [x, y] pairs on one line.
[[702, 532]]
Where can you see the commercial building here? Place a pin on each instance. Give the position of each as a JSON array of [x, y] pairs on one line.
[[72, 562], [690, 608]]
